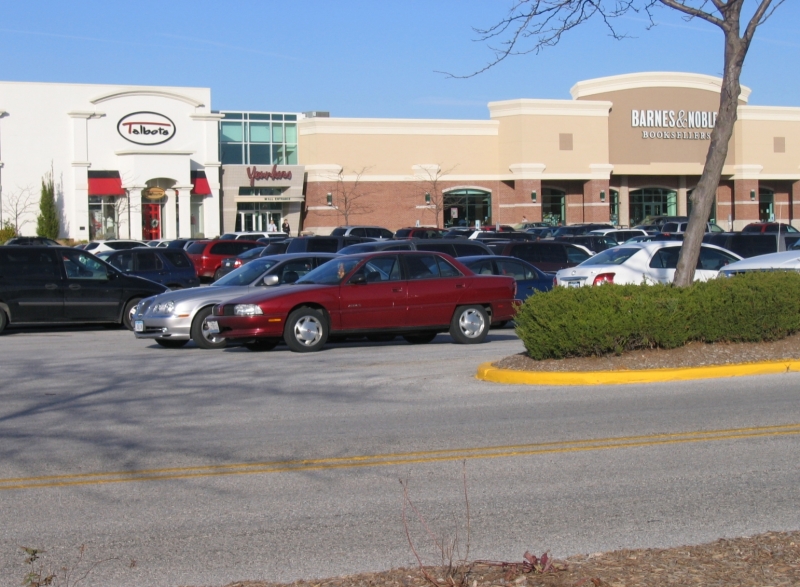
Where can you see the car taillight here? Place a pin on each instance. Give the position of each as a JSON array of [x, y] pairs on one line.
[[237, 263], [603, 278], [555, 281]]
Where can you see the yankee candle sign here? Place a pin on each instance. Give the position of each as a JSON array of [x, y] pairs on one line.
[[146, 128], [254, 175], [669, 119]]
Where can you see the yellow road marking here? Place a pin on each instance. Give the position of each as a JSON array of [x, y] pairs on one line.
[[378, 460]]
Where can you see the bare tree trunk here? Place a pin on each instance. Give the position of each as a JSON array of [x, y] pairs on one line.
[[703, 195]]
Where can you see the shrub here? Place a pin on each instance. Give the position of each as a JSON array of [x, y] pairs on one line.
[[585, 321], [7, 232]]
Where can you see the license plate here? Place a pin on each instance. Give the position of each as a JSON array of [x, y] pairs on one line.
[[213, 326], [138, 326], [573, 284]]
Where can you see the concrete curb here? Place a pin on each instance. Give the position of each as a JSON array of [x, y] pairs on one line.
[[487, 372]]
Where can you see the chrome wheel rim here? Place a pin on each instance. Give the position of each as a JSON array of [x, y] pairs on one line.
[[307, 330], [132, 313], [471, 323], [208, 335]]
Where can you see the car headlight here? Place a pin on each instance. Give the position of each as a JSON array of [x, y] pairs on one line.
[[247, 310], [164, 307]]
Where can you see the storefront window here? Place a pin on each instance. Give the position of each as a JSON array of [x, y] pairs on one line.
[[197, 219], [554, 207], [251, 138], [255, 216], [465, 207], [104, 213], [648, 202], [613, 208], [766, 205]]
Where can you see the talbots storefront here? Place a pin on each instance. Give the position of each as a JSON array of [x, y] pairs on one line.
[[127, 161], [622, 149]]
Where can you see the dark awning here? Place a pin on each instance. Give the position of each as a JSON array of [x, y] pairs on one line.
[[105, 183]]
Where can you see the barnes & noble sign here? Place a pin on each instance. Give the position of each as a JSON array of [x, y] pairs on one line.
[[671, 124]]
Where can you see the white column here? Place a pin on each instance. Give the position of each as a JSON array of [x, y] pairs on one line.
[[135, 211], [170, 215], [185, 212], [77, 212]]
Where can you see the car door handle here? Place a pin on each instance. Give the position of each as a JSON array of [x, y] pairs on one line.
[[397, 289], [51, 286], [74, 286], [460, 285]]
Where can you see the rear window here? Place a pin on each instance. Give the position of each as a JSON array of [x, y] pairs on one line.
[[177, 258], [30, 264], [338, 231], [196, 248], [468, 250], [403, 233], [323, 245], [147, 261], [615, 256], [122, 245]]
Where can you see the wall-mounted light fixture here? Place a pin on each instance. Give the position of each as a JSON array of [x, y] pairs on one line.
[[427, 198], [753, 195], [602, 195], [533, 196], [330, 199]]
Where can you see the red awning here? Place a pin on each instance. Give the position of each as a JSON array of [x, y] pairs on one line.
[[105, 183], [200, 185]]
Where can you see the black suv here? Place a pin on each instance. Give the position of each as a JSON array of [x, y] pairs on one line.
[[750, 244], [323, 244], [172, 267], [546, 255], [58, 285]]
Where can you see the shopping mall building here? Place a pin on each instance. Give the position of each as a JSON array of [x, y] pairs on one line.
[[623, 148], [157, 162]]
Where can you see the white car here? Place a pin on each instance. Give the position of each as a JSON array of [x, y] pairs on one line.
[[643, 263], [783, 261], [113, 245]]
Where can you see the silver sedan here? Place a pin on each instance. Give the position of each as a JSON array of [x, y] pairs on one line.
[[174, 318]]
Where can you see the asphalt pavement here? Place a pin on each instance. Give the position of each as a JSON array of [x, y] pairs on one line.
[[193, 467]]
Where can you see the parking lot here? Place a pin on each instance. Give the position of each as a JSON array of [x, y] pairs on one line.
[[193, 467]]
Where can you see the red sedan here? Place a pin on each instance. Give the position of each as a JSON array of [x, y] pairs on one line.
[[415, 294]]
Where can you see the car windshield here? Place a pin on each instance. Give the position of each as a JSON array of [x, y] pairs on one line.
[[246, 274], [330, 273], [615, 256]]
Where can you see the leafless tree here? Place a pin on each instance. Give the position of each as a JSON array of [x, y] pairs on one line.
[[430, 179], [18, 207], [532, 25], [351, 198]]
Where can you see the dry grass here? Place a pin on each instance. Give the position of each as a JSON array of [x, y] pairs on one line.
[[766, 560]]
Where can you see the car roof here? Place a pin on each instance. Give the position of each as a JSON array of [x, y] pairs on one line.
[[768, 261]]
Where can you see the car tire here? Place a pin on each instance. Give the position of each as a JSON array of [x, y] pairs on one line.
[[380, 337], [422, 338], [217, 275], [3, 321], [306, 330], [171, 343], [200, 334], [470, 325], [128, 312], [259, 346]]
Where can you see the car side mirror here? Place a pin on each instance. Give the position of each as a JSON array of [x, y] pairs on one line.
[[359, 279], [270, 280]]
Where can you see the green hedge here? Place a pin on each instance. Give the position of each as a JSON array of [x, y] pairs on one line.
[[600, 320]]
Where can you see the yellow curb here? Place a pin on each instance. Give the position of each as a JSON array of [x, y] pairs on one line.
[[487, 372]]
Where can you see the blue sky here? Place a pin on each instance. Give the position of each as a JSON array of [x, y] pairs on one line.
[[360, 58]]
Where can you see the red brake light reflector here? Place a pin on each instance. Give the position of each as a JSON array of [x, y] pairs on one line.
[[603, 278]]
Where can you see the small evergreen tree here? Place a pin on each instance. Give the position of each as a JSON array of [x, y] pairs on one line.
[[47, 224]]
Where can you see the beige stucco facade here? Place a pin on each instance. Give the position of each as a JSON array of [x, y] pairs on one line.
[[624, 147]]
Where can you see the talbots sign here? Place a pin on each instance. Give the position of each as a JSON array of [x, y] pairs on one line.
[[146, 128], [671, 124]]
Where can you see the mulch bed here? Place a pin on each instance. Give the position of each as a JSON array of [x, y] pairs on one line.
[[696, 354], [766, 560]]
